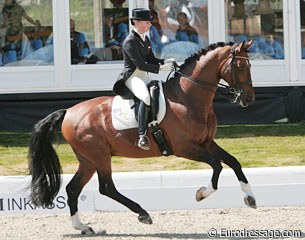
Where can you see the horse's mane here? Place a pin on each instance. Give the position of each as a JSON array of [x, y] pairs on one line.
[[204, 51], [197, 55]]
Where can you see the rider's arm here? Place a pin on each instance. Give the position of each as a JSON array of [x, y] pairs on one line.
[[133, 50]]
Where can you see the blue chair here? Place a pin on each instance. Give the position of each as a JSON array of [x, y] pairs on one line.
[[182, 36], [278, 50], [1, 60], [49, 40], [122, 32], [303, 52], [82, 40], [36, 44], [11, 53], [241, 38], [155, 40], [254, 47]]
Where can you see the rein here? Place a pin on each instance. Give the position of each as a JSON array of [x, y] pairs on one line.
[[235, 90], [206, 85], [201, 84]]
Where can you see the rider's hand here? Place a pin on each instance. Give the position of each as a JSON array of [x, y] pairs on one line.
[[167, 67], [169, 60]]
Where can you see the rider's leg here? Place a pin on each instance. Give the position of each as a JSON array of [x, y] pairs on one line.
[[139, 88], [143, 141]]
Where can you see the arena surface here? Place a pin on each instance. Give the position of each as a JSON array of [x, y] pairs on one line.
[[227, 223]]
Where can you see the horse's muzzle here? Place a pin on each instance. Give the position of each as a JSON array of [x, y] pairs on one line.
[[246, 99]]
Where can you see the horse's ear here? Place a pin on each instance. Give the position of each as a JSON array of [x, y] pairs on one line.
[[248, 44], [239, 47]]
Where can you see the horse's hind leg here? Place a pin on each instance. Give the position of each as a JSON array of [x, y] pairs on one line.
[[74, 188], [235, 165], [107, 188]]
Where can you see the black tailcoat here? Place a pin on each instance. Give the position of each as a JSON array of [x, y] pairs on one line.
[[136, 54]]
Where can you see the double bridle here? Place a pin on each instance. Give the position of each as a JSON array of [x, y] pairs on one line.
[[235, 89]]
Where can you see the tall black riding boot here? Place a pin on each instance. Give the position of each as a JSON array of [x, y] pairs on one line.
[[143, 141]]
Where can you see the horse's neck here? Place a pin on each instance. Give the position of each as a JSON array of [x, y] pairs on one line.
[[185, 92]]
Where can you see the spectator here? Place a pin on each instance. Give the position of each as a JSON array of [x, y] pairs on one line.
[[155, 31], [114, 35], [110, 32], [12, 21], [79, 46], [185, 31], [276, 49]]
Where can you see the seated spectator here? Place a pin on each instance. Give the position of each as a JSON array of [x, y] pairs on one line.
[[122, 32], [79, 46], [114, 35], [155, 31], [13, 13], [270, 47], [185, 31], [110, 32], [277, 48]]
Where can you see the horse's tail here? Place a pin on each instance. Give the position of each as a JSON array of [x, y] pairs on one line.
[[44, 165]]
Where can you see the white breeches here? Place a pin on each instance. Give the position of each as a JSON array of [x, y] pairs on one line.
[[137, 83]]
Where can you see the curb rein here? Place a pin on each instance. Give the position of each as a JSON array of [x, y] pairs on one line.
[[235, 89]]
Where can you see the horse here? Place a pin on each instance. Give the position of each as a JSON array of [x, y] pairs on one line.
[[189, 126]]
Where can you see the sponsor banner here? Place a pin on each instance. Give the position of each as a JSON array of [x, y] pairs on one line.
[[20, 203]]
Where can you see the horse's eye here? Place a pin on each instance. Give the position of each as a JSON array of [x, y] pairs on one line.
[[241, 68]]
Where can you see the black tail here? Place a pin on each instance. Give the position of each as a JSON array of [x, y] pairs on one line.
[[44, 165]]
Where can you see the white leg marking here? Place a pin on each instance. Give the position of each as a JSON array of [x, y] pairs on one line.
[[249, 198], [77, 224], [204, 192], [246, 188]]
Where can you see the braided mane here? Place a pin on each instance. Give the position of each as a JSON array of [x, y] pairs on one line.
[[204, 51]]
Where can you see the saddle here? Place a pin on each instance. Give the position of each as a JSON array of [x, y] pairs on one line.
[[125, 111]]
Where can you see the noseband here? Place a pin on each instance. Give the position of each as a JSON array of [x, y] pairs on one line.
[[236, 89]]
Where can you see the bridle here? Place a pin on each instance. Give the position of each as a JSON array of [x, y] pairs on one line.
[[235, 89]]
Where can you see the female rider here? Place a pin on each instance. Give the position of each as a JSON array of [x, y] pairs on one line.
[[139, 59]]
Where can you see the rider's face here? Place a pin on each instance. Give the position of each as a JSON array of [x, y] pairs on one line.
[[142, 26]]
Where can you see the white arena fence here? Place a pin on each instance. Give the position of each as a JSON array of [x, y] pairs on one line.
[[166, 190]]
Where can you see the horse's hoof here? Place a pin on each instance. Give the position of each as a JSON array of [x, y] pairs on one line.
[[199, 195], [250, 201], [101, 233], [88, 231], [145, 219]]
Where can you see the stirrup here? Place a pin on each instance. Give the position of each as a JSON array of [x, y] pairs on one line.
[[143, 142]]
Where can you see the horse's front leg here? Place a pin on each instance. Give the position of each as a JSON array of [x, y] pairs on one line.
[[198, 153], [204, 192], [232, 162]]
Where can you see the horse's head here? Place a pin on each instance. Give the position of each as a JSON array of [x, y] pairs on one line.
[[236, 72]]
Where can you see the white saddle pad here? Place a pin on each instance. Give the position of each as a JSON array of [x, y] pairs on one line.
[[123, 116]]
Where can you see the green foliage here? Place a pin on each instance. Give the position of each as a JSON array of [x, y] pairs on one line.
[[42, 12], [83, 14]]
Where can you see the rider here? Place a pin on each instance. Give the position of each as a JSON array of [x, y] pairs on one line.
[[139, 59]]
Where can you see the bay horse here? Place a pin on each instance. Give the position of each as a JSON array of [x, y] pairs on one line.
[[189, 126]]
